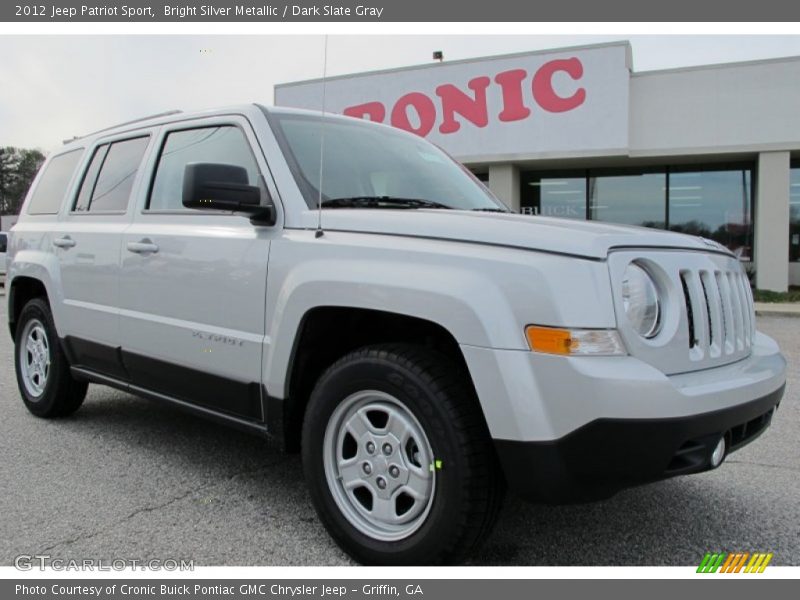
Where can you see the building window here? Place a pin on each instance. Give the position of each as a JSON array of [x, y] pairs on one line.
[[482, 176], [628, 198], [715, 204], [794, 213], [713, 201], [558, 195]]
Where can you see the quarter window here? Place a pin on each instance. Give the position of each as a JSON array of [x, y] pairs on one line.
[[52, 186], [109, 179], [225, 144]]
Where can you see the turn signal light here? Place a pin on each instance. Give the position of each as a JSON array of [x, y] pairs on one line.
[[550, 340], [574, 342]]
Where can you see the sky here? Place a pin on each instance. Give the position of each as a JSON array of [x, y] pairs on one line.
[[56, 87]]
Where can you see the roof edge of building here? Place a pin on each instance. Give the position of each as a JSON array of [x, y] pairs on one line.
[[618, 43], [713, 66]]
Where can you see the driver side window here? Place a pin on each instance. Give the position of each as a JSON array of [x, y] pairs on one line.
[[219, 144]]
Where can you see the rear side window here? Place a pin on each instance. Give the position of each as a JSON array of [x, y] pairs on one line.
[[225, 144], [109, 179], [3, 242], [52, 186]]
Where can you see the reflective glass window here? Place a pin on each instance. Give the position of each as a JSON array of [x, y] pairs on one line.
[[794, 214], [637, 198], [554, 195], [715, 204]]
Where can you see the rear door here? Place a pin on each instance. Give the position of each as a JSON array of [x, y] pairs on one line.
[[87, 243], [193, 283]]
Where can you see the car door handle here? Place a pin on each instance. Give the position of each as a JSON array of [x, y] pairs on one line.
[[144, 246], [64, 242]]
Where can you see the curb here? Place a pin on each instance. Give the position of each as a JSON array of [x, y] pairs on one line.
[[766, 309], [776, 313]]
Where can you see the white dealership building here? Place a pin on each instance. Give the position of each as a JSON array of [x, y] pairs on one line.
[[575, 132]]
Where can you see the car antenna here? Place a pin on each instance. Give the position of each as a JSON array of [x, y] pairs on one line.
[[320, 232]]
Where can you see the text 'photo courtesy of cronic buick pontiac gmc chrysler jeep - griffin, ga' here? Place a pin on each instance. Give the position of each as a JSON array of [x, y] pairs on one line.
[[351, 292]]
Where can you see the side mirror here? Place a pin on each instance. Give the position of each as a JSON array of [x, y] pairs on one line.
[[209, 186]]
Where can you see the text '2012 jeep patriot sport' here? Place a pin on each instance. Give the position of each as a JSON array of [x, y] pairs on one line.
[[423, 349]]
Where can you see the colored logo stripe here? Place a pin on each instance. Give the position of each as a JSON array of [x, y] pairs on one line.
[[758, 563], [734, 562], [711, 562]]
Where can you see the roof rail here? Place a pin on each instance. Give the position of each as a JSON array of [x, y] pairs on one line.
[[147, 118]]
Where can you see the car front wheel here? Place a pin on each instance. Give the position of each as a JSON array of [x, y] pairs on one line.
[[398, 457]]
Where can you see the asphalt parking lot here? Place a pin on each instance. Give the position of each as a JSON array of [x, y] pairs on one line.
[[129, 478]]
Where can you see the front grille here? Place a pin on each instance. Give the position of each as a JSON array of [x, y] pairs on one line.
[[719, 310], [707, 317]]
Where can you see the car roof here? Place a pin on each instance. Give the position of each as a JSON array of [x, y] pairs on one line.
[[179, 115]]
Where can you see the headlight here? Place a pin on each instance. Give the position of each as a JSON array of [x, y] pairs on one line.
[[640, 301]]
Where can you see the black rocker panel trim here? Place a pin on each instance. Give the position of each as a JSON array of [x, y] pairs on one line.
[[92, 355], [255, 427], [191, 385], [242, 399]]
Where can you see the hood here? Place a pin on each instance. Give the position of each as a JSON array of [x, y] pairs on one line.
[[547, 234]]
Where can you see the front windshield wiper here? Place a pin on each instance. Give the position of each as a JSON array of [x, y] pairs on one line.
[[380, 202], [490, 209]]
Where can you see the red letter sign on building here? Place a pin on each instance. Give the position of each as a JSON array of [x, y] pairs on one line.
[[455, 101], [543, 91], [375, 111], [510, 83], [520, 106], [426, 112]]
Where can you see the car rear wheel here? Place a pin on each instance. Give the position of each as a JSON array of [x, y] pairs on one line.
[[398, 458], [45, 383]]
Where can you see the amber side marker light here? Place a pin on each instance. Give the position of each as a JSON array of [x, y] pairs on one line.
[[574, 342], [550, 340]]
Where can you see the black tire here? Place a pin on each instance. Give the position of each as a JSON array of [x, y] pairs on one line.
[[469, 486], [61, 395]]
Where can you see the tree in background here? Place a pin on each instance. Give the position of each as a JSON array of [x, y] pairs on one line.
[[18, 167]]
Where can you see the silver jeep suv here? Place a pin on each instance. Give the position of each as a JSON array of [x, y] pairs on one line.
[[351, 292]]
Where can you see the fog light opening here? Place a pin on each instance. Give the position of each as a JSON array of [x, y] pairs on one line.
[[718, 455]]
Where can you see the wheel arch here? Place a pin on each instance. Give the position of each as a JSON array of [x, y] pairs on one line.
[[32, 273], [22, 290], [326, 333]]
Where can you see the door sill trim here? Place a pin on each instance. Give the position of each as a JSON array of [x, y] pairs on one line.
[[255, 427]]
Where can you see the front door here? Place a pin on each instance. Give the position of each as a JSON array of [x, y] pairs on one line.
[[193, 283]]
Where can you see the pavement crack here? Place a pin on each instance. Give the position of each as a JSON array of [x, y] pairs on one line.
[[156, 507]]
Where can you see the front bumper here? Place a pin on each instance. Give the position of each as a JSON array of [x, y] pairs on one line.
[[571, 428], [607, 455]]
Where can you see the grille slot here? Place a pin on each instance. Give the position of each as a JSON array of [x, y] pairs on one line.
[[712, 323], [689, 309], [719, 311]]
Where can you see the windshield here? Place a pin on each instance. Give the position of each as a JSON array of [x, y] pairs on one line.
[[363, 162]]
